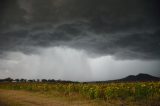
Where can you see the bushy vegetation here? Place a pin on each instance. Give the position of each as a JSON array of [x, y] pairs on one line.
[[106, 91]]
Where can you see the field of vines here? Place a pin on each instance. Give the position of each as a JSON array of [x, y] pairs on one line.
[[105, 91]]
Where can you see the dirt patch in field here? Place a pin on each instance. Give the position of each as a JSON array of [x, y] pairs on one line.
[[25, 98]]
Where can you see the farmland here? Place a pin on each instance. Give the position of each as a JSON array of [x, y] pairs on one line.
[[132, 93]]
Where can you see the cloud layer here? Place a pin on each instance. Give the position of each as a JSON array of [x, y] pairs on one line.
[[125, 29], [79, 39]]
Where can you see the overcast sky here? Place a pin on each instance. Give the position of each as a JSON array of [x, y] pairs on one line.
[[82, 40]]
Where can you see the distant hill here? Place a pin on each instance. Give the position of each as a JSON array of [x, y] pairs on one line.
[[139, 77], [132, 78]]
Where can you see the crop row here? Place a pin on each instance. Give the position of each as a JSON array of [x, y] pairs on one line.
[[136, 91]]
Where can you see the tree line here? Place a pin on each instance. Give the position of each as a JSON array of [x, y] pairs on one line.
[[33, 80]]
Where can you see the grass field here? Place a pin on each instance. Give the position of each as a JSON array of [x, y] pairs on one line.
[[80, 94]]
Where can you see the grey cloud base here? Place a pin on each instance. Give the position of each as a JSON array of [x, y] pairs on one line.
[[125, 29]]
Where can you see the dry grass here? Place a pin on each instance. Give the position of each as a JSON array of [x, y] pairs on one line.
[[25, 98]]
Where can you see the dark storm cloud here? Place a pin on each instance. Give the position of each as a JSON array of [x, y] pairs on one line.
[[126, 29]]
